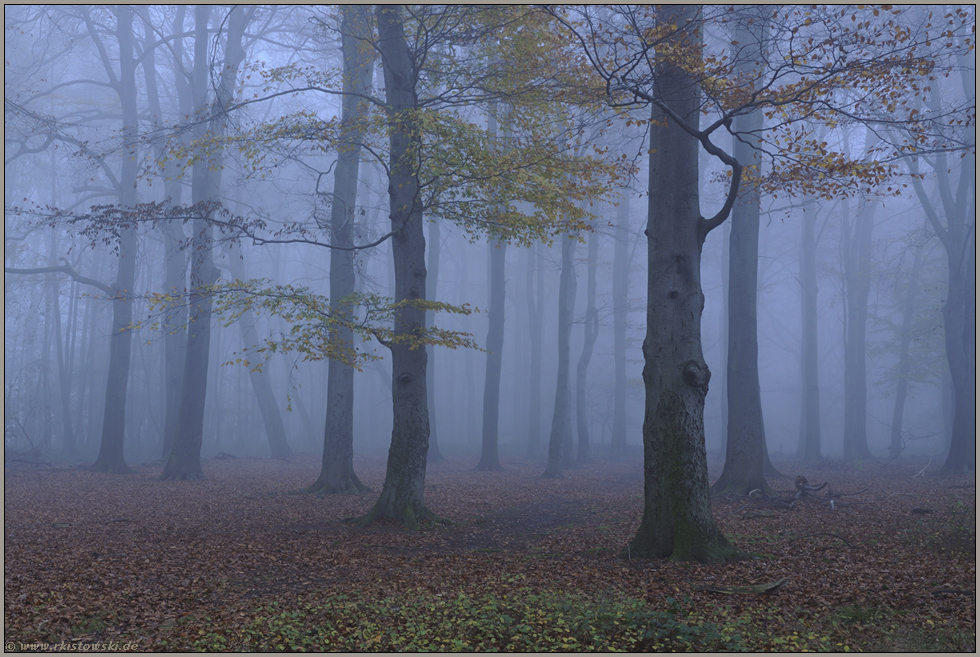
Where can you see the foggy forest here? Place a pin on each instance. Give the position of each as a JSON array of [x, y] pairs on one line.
[[468, 328]]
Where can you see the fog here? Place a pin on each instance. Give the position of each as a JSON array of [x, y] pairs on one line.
[[66, 152]]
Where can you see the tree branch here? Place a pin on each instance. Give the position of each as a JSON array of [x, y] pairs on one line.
[[65, 269]]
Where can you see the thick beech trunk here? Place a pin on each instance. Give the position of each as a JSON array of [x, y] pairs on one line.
[[677, 520], [402, 496]]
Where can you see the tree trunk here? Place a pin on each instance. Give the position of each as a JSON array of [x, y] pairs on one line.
[[432, 290], [745, 446], [904, 357], [489, 448], [620, 301], [275, 431], [64, 374], [489, 452], [857, 286], [591, 333], [809, 446], [111, 457], [557, 455], [175, 261], [184, 462], [535, 316], [402, 496], [337, 466], [677, 520]]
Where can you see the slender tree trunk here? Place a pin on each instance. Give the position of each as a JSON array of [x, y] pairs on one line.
[[490, 444], [620, 300], [745, 446], [557, 455], [402, 496], [337, 467], [857, 273], [809, 447], [175, 260], [489, 454], [64, 377], [111, 457], [591, 334], [904, 357], [432, 285], [677, 520], [535, 313]]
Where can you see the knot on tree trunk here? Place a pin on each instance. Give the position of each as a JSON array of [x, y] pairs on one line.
[[696, 374]]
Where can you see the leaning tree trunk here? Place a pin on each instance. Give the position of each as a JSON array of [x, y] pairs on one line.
[[110, 457], [677, 520], [337, 465], [566, 304], [745, 446], [402, 496], [591, 333], [275, 431]]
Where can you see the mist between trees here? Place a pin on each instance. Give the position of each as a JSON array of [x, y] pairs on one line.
[[559, 234]]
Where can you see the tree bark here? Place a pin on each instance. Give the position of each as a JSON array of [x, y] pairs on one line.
[[745, 446], [111, 457], [489, 451], [535, 313], [857, 286], [904, 357], [337, 466], [432, 289], [809, 446], [402, 496], [174, 321], [677, 520], [275, 431], [620, 301], [557, 452], [490, 444], [184, 460], [591, 334]]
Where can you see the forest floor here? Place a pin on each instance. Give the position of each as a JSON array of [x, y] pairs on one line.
[[238, 562]]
